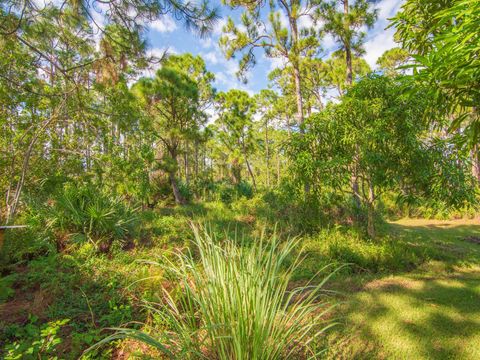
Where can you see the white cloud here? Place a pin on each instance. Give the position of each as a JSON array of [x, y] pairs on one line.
[[212, 57], [156, 54], [377, 45], [160, 52], [231, 82], [221, 78], [207, 43], [275, 63], [388, 8], [164, 24], [218, 28], [42, 3], [329, 44], [381, 39], [212, 115], [99, 21], [284, 19], [305, 22]]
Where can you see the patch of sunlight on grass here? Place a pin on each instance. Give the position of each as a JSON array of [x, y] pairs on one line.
[[444, 240], [421, 319], [431, 313]]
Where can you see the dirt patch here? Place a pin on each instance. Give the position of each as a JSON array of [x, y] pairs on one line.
[[393, 284], [25, 303], [130, 348], [431, 223], [247, 219]]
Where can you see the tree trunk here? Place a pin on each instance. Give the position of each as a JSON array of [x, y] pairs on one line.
[[179, 199], [249, 168], [251, 174], [236, 171], [296, 72], [300, 118], [371, 210], [475, 154], [195, 166], [298, 86], [185, 160], [348, 60], [298, 95], [348, 50], [354, 179]]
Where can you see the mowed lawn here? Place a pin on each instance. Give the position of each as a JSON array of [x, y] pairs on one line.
[[430, 313]]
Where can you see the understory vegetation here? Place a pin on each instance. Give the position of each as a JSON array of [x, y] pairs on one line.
[[150, 210]]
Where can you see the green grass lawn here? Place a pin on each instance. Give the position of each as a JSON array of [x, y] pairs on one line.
[[431, 313]]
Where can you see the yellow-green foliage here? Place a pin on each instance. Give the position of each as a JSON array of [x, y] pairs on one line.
[[235, 303]]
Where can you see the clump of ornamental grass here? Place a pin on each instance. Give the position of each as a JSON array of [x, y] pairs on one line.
[[236, 302]]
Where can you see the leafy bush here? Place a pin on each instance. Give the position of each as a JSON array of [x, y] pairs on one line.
[[36, 342], [226, 192], [368, 256], [90, 289], [255, 206], [91, 213], [185, 190], [244, 189], [299, 214], [204, 187], [426, 208], [229, 192], [236, 305], [26, 244], [6, 287]]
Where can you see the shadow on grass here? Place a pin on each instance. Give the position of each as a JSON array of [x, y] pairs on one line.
[[405, 318], [444, 242]]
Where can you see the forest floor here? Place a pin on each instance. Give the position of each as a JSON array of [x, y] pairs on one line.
[[430, 313], [414, 293]]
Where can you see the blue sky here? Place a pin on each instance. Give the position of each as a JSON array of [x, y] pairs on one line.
[[166, 33]]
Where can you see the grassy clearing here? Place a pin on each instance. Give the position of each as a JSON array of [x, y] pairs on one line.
[[431, 313]]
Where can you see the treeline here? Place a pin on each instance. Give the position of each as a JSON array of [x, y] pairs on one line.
[[76, 110]]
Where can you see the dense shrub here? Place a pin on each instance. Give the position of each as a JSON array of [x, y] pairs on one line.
[[395, 208], [91, 214], [37, 341], [300, 214], [229, 192], [203, 187], [92, 290], [185, 190], [26, 244]]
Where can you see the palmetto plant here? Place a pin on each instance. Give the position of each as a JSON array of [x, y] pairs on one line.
[[88, 211], [235, 303]]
